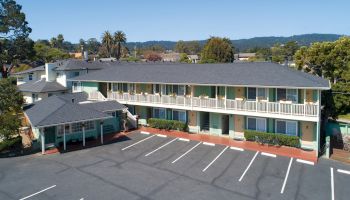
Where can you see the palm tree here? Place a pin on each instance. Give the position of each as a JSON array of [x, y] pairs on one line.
[[119, 39], [107, 42]]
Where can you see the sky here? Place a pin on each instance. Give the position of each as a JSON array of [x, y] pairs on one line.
[[145, 20]]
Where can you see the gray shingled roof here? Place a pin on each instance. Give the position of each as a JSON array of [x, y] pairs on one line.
[[41, 86], [232, 74], [73, 64], [35, 69], [60, 109]]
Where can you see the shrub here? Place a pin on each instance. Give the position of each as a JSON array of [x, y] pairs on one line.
[[167, 124], [9, 143], [269, 138]]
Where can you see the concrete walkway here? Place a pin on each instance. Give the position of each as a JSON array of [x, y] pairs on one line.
[[278, 150]]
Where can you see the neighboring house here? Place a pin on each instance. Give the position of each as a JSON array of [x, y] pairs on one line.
[[60, 119], [244, 56], [217, 99], [51, 78], [193, 58], [170, 57]]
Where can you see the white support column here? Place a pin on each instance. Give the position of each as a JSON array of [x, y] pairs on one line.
[[42, 134], [216, 96], [304, 102], [225, 97], [101, 125], [83, 126], [64, 137]]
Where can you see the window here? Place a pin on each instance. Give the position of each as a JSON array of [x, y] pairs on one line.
[[262, 94], [256, 124], [30, 77], [286, 127], [156, 88], [159, 113], [77, 86], [163, 87], [90, 125], [125, 87], [131, 87], [287, 95], [179, 115], [252, 94], [35, 97], [60, 129], [75, 74], [77, 127]]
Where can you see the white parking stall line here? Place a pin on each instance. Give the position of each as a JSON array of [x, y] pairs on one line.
[[186, 152], [184, 139], [251, 162], [208, 144], [287, 174], [343, 171], [305, 162], [41, 191], [237, 148], [161, 135], [214, 159], [332, 183], [145, 133], [268, 154], [160, 147], [125, 148]]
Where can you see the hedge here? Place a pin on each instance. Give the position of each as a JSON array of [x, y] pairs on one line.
[[9, 143], [167, 124], [272, 138]]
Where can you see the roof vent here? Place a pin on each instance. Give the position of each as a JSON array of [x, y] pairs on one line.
[[73, 100]]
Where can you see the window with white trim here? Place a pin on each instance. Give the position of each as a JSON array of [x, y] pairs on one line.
[[77, 127], [287, 95], [156, 88], [287, 127], [262, 93], [60, 129], [30, 77], [256, 124], [90, 125], [120, 87], [179, 115], [251, 94], [254, 93], [159, 113]]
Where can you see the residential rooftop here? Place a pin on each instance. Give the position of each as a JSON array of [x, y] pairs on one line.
[[251, 74], [41, 86]]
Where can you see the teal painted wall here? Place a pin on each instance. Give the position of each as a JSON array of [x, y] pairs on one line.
[[333, 128], [89, 86], [314, 95], [230, 93], [272, 94], [199, 90], [215, 123], [270, 125]]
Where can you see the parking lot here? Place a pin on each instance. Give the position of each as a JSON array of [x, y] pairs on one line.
[[147, 166]]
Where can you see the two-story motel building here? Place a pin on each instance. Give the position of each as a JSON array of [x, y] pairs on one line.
[[216, 99]]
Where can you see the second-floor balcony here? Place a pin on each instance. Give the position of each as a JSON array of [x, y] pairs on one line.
[[235, 106]]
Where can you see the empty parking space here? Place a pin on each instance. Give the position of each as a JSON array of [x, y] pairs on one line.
[[341, 184]]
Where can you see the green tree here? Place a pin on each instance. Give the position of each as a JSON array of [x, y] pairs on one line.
[[217, 49], [184, 58], [190, 47], [119, 39], [48, 54], [92, 45], [107, 43], [60, 40], [11, 102]]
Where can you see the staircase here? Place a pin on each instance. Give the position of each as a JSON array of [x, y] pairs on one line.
[[132, 121], [108, 128]]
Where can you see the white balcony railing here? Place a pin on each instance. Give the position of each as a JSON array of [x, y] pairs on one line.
[[310, 110]]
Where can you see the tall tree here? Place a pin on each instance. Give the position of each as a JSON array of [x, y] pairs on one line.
[[14, 29], [218, 50], [11, 102], [92, 45], [119, 39], [60, 40], [107, 42]]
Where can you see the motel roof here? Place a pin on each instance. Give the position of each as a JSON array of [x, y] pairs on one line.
[[70, 108], [41, 86], [253, 74]]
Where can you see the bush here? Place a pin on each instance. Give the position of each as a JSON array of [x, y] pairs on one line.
[[270, 138], [9, 143], [167, 124]]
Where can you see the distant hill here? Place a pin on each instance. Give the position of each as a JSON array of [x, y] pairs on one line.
[[243, 44]]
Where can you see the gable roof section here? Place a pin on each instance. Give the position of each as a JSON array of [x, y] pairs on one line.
[[57, 110], [252, 74], [35, 69], [41, 86], [73, 64]]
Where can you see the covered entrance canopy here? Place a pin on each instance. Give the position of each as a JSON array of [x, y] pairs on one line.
[[56, 113]]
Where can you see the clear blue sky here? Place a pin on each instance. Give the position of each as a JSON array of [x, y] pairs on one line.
[[144, 20]]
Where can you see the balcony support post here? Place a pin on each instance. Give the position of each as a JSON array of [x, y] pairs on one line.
[[304, 102], [216, 97]]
